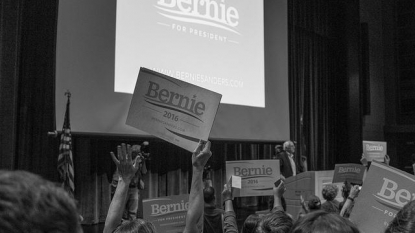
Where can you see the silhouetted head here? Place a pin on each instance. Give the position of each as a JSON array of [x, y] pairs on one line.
[[323, 222], [275, 222], [136, 226], [209, 195], [29, 203], [251, 223], [404, 221]]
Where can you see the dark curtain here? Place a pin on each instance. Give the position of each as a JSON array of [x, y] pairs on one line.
[[28, 36], [312, 74]]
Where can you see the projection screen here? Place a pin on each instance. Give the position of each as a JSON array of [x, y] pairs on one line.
[[238, 48]]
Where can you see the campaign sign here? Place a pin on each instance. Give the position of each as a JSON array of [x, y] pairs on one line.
[[353, 173], [168, 214], [258, 176], [374, 150], [385, 191], [176, 111]]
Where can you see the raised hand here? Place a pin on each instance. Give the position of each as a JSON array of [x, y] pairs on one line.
[[280, 190], [127, 167], [354, 191], [201, 155], [363, 160], [227, 192]]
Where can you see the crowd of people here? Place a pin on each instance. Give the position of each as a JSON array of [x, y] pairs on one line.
[[29, 203]]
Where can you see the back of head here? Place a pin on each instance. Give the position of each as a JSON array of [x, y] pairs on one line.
[[209, 194], [28, 203], [136, 226], [251, 223], [323, 222], [275, 222], [330, 191], [404, 220], [313, 202]]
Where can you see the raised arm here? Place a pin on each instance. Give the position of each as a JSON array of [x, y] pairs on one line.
[[278, 194], [348, 204], [194, 216], [229, 216], [127, 169]]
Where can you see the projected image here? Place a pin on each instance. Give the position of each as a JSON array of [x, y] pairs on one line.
[[217, 45], [237, 48]]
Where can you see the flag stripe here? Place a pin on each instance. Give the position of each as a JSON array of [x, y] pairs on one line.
[[65, 158]]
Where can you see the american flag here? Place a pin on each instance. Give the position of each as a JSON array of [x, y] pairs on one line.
[[65, 159]]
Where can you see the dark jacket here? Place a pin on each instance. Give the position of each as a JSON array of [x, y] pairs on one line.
[[212, 219], [285, 165]]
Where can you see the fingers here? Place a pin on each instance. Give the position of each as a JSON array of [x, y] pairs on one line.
[[114, 158], [119, 154], [123, 151], [198, 148], [128, 153], [206, 148]]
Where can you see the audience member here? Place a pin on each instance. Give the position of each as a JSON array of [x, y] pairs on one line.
[[310, 204], [127, 168], [194, 216], [349, 203], [251, 223], [329, 193], [133, 197], [345, 193], [29, 203], [404, 221], [276, 222], [229, 216], [212, 218], [323, 222]]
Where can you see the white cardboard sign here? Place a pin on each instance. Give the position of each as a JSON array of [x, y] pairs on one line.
[[257, 176], [173, 110], [374, 150]]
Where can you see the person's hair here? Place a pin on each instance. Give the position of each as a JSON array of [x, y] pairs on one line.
[[271, 203], [136, 226], [275, 222], [330, 206], [313, 202], [404, 220], [209, 194], [287, 144], [251, 223], [323, 222], [329, 192], [29, 203]]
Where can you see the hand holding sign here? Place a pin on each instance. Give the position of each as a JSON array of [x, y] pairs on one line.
[[363, 160], [280, 189], [387, 159], [227, 192], [201, 155]]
